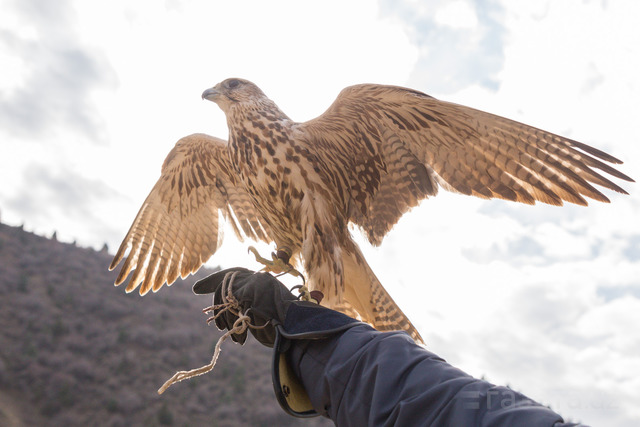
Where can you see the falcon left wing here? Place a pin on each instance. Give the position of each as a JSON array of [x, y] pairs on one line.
[[395, 146], [177, 228]]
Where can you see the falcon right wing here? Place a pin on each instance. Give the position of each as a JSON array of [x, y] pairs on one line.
[[177, 228]]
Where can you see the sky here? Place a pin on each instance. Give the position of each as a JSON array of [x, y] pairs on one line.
[[93, 95]]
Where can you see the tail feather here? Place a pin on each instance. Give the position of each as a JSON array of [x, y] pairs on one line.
[[365, 294]]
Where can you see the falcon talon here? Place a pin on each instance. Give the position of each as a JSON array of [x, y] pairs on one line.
[[279, 263], [305, 294], [274, 265], [297, 287], [259, 258], [295, 273]]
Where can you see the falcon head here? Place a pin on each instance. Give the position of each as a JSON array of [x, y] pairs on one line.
[[233, 91]]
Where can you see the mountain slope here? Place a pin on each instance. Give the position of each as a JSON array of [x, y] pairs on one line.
[[77, 351]]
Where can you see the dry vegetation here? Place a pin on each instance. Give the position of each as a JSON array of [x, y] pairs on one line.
[[77, 351]]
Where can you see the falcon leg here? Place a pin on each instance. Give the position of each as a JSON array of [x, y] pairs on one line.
[[279, 263]]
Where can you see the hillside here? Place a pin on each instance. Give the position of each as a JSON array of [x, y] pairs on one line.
[[77, 351]]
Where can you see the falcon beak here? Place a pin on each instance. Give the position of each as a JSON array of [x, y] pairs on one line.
[[211, 94]]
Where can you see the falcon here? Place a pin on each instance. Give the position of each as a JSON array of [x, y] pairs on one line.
[[374, 154]]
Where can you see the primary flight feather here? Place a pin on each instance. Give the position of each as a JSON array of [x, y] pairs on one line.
[[374, 154]]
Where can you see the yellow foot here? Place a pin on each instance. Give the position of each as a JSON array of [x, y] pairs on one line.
[[278, 264], [307, 295]]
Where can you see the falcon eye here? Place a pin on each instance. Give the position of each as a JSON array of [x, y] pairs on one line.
[[233, 83]]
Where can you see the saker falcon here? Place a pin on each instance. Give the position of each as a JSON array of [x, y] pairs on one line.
[[374, 154]]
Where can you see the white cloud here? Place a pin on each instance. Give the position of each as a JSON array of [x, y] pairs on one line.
[[459, 42], [457, 14]]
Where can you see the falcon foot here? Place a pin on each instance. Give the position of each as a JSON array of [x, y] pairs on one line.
[[307, 295], [278, 264]]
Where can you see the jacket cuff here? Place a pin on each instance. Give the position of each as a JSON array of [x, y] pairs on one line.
[[303, 321]]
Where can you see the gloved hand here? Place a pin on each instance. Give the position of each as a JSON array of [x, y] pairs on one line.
[[268, 302], [260, 296]]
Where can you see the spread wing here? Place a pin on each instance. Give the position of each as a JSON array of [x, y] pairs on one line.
[[396, 146], [177, 228]]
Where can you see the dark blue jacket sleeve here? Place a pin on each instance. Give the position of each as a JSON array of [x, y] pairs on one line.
[[363, 377]]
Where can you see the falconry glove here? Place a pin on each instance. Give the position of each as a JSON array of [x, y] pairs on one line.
[[278, 318], [259, 295]]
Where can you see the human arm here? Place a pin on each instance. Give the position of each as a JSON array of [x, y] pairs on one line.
[[358, 376]]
